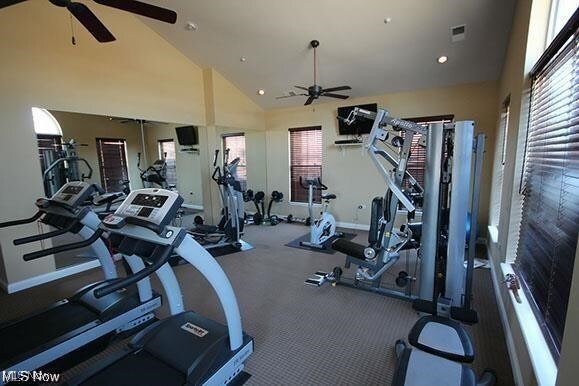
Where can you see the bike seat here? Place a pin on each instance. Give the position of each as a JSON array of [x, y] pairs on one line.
[[328, 196]]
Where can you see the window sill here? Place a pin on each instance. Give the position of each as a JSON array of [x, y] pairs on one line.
[[544, 366], [493, 234], [295, 203]]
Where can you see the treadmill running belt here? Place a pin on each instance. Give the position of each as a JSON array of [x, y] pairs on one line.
[[137, 369], [33, 332]]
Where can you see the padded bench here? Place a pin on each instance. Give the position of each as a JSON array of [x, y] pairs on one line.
[[443, 337], [419, 368], [441, 349]]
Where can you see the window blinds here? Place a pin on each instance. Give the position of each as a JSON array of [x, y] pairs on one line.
[[236, 145], [550, 212], [112, 163], [305, 161], [417, 158]]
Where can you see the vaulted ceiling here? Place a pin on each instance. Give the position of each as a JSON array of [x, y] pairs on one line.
[[357, 46]]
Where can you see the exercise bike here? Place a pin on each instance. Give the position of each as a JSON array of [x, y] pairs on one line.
[[324, 228]]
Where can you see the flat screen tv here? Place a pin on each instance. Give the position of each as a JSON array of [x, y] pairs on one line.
[[187, 135], [361, 126]]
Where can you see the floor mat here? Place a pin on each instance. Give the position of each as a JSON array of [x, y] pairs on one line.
[[228, 249], [215, 252], [327, 249]]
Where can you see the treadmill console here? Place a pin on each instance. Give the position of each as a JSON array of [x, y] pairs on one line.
[[72, 195], [151, 208]]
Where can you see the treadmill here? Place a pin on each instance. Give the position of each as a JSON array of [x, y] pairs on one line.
[[43, 339], [186, 348]]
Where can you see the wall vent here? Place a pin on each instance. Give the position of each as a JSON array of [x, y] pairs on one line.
[[458, 33]]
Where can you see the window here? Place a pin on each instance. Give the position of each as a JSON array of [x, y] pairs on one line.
[[45, 123], [167, 152], [561, 12], [305, 161], [112, 155], [550, 185], [236, 145], [499, 164], [417, 159]]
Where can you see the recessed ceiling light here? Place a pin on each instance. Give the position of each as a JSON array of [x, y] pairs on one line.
[[190, 26], [242, 59], [442, 59], [387, 20], [260, 92]]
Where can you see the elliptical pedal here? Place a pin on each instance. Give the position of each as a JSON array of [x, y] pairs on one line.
[[319, 278]]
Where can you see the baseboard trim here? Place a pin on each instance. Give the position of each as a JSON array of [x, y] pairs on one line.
[[515, 365], [351, 225], [49, 276], [192, 206]]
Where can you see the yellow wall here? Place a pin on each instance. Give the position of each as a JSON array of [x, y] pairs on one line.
[[256, 165], [350, 173], [232, 108], [228, 110], [188, 164], [140, 75], [86, 128], [511, 83]]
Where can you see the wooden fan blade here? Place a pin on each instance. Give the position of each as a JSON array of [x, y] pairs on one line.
[[289, 96], [7, 3], [309, 101], [340, 88], [143, 9], [301, 88], [327, 94], [91, 22]]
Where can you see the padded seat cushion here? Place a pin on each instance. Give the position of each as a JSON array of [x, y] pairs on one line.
[[443, 337], [419, 368]]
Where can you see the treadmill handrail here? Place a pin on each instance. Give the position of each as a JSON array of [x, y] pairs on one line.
[[44, 236], [160, 256], [66, 247], [28, 220]]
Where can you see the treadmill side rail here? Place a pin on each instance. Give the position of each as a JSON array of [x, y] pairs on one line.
[[77, 339]]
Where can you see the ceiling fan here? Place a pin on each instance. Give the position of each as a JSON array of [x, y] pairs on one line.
[[315, 91], [89, 20]]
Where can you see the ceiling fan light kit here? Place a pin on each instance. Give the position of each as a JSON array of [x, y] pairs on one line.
[[92, 23]]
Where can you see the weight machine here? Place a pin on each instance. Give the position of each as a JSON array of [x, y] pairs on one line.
[[451, 185], [65, 168]]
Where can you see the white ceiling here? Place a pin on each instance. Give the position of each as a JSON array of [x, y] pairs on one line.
[[356, 47]]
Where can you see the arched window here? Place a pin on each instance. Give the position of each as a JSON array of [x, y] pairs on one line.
[[45, 123], [49, 139]]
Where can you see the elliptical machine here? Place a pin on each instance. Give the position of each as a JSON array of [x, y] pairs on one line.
[[324, 228], [155, 176], [230, 227]]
